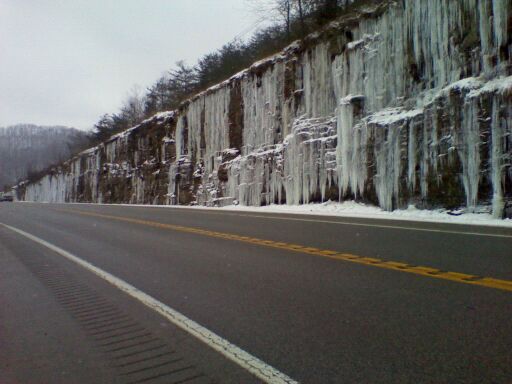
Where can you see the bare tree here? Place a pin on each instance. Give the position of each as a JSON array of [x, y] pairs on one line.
[[284, 7], [301, 17], [274, 11], [299, 11], [133, 106]]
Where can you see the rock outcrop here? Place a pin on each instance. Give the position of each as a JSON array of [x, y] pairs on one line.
[[396, 103]]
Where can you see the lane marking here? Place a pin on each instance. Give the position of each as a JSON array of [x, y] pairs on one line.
[[376, 225], [212, 211], [263, 371], [434, 273]]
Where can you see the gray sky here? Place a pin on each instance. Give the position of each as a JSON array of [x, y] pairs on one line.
[[66, 62]]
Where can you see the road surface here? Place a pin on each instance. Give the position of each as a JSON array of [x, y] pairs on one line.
[[315, 299]]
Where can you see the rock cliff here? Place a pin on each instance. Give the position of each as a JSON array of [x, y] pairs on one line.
[[396, 103]]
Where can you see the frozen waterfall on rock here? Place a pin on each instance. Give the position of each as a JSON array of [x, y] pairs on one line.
[[398, 103]]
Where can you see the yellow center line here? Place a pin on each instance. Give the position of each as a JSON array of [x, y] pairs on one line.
[[488, 282]]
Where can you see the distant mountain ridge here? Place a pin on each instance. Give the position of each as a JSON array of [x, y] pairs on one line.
[[29, 148]]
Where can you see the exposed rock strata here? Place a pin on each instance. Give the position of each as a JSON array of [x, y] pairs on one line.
[[405, 102]]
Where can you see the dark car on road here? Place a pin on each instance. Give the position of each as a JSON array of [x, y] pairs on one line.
[[6, 198]]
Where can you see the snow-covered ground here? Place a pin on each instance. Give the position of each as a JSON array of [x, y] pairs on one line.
[[354, 209]]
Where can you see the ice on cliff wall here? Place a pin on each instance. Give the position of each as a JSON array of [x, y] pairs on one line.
[[411, 104]]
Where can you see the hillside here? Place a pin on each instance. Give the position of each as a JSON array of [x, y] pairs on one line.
[[395, 104], [27, 148]]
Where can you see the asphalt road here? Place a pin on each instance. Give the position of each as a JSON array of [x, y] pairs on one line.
[[321, 299]]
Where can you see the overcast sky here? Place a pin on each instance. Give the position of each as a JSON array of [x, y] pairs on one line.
[[67, 62]]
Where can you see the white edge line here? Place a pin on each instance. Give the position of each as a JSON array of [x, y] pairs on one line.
[[245, 360], [382, 226], [504, 224], [273, 215]]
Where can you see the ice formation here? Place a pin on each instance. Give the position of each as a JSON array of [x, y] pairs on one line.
[[399, 103]]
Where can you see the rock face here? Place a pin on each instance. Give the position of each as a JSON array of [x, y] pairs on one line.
[[397, 103]]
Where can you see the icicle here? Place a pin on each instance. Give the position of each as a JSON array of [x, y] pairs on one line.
[[468, 145]]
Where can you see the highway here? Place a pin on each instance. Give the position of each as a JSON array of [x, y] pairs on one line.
[[126, 294]]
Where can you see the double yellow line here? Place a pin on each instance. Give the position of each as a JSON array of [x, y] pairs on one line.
[[488, 282]]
